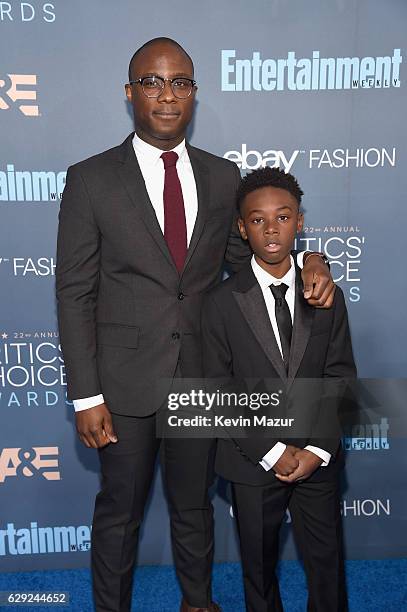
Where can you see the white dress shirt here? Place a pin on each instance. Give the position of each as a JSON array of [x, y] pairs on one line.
[[152, 169], [265, 280]]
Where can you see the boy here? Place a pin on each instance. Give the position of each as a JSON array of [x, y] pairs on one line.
[[257, 325]]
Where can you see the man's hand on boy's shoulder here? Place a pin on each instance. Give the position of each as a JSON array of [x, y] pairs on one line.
[[319, 288], [288, 463], [308, 462]]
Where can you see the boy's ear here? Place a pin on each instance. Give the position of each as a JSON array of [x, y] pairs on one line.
[[242, 229], [300, 222]]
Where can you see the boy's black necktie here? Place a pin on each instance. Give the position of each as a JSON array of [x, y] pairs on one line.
[[283, 318]]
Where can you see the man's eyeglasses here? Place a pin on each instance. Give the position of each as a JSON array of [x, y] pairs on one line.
[[153, 86]]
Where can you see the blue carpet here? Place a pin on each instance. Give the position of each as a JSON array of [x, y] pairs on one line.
[[372, 586]]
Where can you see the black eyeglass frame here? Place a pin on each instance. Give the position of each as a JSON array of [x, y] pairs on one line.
[[162, 79]]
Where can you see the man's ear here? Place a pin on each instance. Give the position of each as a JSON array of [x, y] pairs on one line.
[[300, 222], [129, 93], [242, 229]]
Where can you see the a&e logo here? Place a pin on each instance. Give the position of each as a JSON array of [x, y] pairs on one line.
[[19, 91], [28, 462]]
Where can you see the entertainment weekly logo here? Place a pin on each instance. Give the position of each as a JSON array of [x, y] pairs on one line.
[[35, 539], [247, 158], [314, 73], [30, 186], [38, 461], [367, 436], [19, 91], [32, 370]]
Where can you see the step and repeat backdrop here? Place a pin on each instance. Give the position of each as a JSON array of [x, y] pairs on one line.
[[317, 88]]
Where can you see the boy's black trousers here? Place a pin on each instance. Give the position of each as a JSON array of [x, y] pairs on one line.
[[315, 513]]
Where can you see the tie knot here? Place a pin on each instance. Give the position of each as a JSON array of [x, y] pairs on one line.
[[279, 291], [169, 158]]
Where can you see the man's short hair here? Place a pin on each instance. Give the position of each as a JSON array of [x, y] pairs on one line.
[[150, 43], [268, 177]]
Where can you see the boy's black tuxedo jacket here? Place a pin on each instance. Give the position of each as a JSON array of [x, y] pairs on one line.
[[238, 341]]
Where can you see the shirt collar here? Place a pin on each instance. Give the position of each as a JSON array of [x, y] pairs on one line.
[[265, 279], [152, 155]]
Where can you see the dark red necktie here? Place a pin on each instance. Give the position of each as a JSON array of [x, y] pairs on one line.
[[175, 227]]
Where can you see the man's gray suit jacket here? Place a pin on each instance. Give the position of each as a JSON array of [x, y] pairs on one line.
[[126, 316]]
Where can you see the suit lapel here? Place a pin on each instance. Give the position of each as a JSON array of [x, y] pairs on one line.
[[303, 320], [253, 308], [201, 175], [132, 178], [251, 303]]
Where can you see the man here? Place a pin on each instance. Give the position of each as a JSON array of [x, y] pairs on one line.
[[144, 231]]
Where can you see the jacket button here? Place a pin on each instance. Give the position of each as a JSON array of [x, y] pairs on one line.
[[181, 296], [175, 336]]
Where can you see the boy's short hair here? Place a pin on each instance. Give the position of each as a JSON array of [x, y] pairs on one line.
[[268, 177]]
